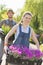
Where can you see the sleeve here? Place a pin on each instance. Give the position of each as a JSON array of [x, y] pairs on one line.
[[1, 23]]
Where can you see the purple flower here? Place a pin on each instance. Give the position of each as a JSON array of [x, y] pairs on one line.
[[37, 54], [24, 51], [27, 52]]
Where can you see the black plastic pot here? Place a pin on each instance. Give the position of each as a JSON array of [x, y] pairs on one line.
[[18, 61]]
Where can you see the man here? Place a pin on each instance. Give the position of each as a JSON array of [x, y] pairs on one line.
[[10, 22]]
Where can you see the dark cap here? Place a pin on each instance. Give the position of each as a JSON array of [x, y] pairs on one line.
[[10, 10]]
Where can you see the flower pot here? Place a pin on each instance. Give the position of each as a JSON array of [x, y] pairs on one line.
[[38, 62], [18, 61]]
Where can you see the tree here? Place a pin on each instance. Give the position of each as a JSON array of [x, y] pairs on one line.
[[2, 11], [36, 7]]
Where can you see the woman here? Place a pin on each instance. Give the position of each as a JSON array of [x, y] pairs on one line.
[[22, 32]]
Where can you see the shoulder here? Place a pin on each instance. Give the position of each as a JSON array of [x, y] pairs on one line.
[[16, 26], [32, 31], [3, 21], [30, 28], [14, 22]]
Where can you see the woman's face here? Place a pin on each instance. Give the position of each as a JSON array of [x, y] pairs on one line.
[[27, 18]]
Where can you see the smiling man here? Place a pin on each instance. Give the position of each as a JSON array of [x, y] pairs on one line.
[[10, 22]]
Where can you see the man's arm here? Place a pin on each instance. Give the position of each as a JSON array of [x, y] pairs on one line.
[[1, 23]]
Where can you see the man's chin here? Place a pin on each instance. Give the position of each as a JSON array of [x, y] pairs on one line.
[[10, 17]]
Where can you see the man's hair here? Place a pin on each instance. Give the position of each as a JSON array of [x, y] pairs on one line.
[[10, 10]]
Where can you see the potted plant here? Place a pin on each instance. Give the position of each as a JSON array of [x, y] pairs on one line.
[[25, 55]]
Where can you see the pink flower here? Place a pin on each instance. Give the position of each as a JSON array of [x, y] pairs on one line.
[[11, 47]]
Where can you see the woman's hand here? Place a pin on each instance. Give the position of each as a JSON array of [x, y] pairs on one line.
[[32, 46], [5, 49]]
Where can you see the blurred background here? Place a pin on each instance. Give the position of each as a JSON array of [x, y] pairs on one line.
[[19, 7]]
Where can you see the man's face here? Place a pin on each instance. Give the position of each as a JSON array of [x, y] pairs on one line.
[[10, 14]]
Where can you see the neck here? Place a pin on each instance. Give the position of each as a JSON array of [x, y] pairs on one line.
[[10, 19], [24, 25]]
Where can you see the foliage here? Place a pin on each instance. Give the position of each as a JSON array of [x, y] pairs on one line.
[[2, 11], [41, 47], [5, 28], [35, 23], [36, 7]]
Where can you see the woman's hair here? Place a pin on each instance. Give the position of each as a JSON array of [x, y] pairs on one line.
[[27, 12]]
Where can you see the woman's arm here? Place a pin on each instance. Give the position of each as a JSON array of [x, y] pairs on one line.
[[33, 36], [11, 32]]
